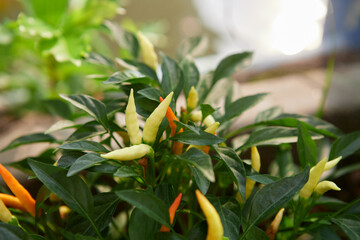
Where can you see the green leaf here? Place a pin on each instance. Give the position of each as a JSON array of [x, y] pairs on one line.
[[61, 125], [273, 136], [58, 108], [229, 219], [345, 145], [172, 79], [86, 161], [268, 114], [203, 138], [199, 160], [142, 226], [192, 46], [95, 108], [11, 232], [28, 139], [306, 147], [198, 231], [206, 110], [126, 171], [256, 233], [228, 65], [68, 158], [72, 190], [235, 167], [87, 130], [151, 93], [144, 69], [191, 74], [262, 178], [168, 236], [148, 203], [345, 170], [84, 146], [201, 181], [350, 224], [192, 128], [239, 106], [105, 206], [271, 197]]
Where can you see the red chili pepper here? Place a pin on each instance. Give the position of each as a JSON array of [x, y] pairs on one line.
[[172, 210]]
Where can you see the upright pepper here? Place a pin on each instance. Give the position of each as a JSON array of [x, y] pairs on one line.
[[20, 192], [131, 121], [147, 51], [152, 123], [256, 164], [172, 210], [5, 214], [177, 146], [11, 201], [192, 99], [274, 226], [129, 153], [215, 227], [332, 163], [314, 176]]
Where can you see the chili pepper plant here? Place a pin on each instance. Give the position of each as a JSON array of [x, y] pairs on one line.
[[154, 159]]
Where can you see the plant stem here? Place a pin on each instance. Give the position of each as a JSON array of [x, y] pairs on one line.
[[113, 137]]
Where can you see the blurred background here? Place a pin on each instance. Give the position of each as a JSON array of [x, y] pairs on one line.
[[306, 53]]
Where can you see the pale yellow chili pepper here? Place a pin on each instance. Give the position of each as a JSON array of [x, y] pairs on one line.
[[153, 122], [215, 228], [274, 226], [131, 120], [147, 51], [314, 176], [192, 99], [256, 164], [332, 163], [129, 153], [5, 214], [196, 116], [325, 186]]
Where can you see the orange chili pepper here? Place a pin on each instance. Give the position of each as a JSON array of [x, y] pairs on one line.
[[12, 201], [172, 210], [20, 192], [178, 146]]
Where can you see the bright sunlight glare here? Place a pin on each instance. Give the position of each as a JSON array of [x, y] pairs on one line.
[[298, 26]]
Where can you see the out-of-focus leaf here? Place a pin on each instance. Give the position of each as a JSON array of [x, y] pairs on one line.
[[193, 46], [306, 147], [168, 236], [345, 145], [191, 74], [58, 108], [148, 203], [206, 110], [268, 114], [235, 166], [126, 171], [142, 226], [172, 78], [95, 108], [87, 130], [28, 139], [11, 232], [350, 224], [61, 125], [198, 231], [131, 77], [151, 93]]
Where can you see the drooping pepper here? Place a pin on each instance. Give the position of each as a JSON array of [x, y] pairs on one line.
[[11, 201], [314, 176], [147, 51], [20, 192], [274, 226], [256, 164], [129, 153], [177, 146], [131, 121], [153, 122], [172, 210], [192, 99], [215, 227], [332, 163], [325, 186], [5, 214]]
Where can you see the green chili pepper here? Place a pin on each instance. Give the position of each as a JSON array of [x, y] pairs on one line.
[[132, 124], [130, 153], [152, 123]]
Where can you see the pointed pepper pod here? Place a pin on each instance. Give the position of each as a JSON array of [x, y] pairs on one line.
[[215, 227], [147, 51], [153, 122], [332, 163], [314, 176], [325, 186], [274, 226], [11, 201], [131, 121], [177, 146], [19, 191], [192, 99], [5, 214], [172, 210], [196, 116], [256, 164], [129, 153]]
